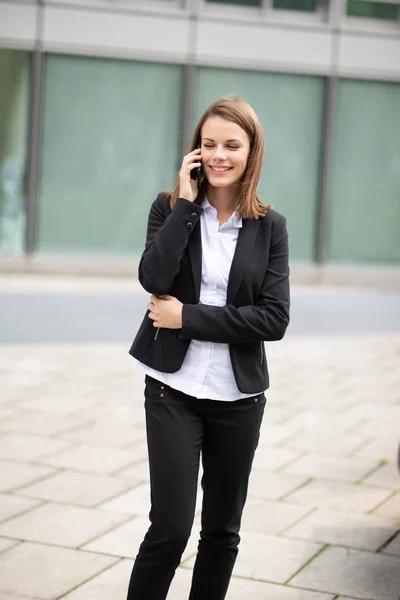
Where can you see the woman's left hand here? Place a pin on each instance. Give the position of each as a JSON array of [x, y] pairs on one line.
[[165, 311]]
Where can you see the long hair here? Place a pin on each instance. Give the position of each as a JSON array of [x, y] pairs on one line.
[[240, 112]]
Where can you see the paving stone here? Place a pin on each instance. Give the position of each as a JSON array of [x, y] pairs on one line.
[[270, 459], [345, 529], [95, 459], [136, 502], [273, 486], [6, 544], [83, 489], [109, 585], [386, 476], [340, 496], [239, 588], [124, 541], [106, 432], [42, 423], [327, 441], [46, 572], [390, 508], [383, 447], [254, 590], [60, 525], [260, 557], [137, 471], [11, 505], [15, 474], [264, 516], [10, 596], [394, 546], [21, 446], [353, 573], [331, 467]]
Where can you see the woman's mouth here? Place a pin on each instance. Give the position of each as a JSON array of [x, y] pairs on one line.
[[220, 170]]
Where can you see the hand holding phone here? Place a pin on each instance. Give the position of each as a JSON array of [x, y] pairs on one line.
[[190, 176]]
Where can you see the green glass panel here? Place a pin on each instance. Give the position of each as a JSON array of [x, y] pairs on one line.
[[237, 2], [300, 5], [110, 142], [290, 110], [14, 103], [373, 10], [365, 177]]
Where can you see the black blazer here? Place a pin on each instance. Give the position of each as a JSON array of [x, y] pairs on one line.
[[257, 307]]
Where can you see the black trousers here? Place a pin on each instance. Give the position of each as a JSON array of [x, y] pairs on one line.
[[179, 429]]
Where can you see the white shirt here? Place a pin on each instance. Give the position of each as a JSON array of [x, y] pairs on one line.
[[207, 371]]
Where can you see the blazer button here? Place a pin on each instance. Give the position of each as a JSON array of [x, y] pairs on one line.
[[193, 215], [189, 225]]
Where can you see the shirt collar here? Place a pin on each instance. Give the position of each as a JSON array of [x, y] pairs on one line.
[[234, 220]]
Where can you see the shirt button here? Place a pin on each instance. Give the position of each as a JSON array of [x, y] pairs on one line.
[[193, 215], [189, 225]]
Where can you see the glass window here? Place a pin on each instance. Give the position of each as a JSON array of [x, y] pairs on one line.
[[365, 177], [110, 143], [373, 10], [290, 110], [299, 5], [237, 2], [14, 102]]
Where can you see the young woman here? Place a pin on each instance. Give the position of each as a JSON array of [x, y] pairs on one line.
[[216, 266]]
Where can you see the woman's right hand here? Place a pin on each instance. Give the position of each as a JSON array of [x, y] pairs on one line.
[[187, 186]]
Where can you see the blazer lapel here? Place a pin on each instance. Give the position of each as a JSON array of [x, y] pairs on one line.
[[194, 250], [247, 236]]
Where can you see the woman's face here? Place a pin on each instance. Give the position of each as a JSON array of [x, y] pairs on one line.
[[225, 148]]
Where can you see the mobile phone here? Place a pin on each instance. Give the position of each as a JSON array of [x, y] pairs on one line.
[[196, 174]]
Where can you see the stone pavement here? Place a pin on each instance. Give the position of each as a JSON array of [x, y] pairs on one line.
[[322, 519]]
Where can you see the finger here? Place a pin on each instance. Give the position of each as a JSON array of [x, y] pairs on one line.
[[156, 324], [165, 297], [152, 316]]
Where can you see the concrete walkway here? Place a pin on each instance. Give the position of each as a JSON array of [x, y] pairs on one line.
[[322, 519]]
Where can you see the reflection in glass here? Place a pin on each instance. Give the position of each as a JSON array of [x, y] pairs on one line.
[[14, 93]]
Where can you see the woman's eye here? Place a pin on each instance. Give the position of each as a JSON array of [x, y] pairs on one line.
[[207, 145]]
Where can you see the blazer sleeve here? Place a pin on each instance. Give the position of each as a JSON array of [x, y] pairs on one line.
[[166, 240], [265, 321]]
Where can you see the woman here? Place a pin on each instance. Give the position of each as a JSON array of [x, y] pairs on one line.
[[216, 266]]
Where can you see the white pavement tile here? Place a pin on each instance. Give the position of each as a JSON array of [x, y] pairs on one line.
[[6, 544], [135, 502], [138, 471], [15, 474], [326, 440], [10, 596], [394, 546], [239, 588], [390, 508], [269, 459], [60, 525], [41, 423], [352, 573], [331, 467], [22, 446], [272, 486], [382, 448], [83, 489], [124, 541], [362, 531], [386, 476], [260, 557], [11, 505], [254, 590], [95, 459], [340, 496], [265, 516], [106, 432], [109, 585], [47, 572]]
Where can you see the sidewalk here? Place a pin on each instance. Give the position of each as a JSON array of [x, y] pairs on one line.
[[324, 505]]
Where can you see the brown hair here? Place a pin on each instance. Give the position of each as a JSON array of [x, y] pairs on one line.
[[240, 112]]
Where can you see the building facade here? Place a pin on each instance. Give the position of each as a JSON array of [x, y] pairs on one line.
[[98, 99]]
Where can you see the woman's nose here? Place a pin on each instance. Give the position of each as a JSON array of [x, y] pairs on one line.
[[220, 153]]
